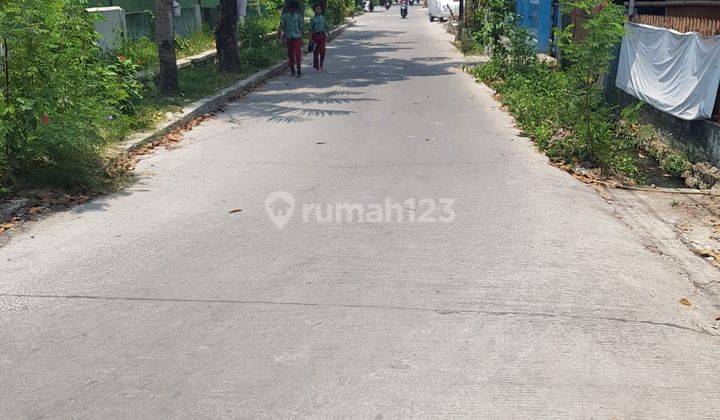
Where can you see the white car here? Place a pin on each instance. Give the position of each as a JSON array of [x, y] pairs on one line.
[[440, 9]]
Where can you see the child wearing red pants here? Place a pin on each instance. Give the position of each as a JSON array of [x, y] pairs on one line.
[[319, 30], [291, 28]]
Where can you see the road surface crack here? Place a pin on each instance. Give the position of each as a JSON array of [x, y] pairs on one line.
[[441, 311]]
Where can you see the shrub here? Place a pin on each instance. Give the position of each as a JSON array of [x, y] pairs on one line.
[[256, 48], [60, 92], [562, 109], [470, 42], [144, 51], [588, 60], [121, 84], [647, 138], [675, 164], [497, 18], [337, 10]]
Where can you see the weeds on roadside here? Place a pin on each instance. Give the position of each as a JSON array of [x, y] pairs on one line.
[[646, 138], [57, 93], [144, 51], [63, 101], [562, 108]]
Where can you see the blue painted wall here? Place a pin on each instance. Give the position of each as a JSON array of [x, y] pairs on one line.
[[536, 16]]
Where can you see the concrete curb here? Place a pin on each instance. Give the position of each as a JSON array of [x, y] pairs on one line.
[[211, 103]]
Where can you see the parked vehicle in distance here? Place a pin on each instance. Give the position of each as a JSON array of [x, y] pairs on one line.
[[440, 9]]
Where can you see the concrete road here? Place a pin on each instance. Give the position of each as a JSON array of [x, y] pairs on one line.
[[535, 301]]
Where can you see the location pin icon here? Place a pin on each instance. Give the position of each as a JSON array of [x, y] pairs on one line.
[[280, 206]]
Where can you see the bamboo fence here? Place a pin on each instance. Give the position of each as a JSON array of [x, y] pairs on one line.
[[706, 27]]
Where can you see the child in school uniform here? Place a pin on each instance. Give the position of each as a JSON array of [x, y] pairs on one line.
[[319, 35], [291, 28]]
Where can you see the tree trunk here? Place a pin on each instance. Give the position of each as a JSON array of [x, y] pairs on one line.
[[461, 20], [226, 37], [471, 9], [166, 46]]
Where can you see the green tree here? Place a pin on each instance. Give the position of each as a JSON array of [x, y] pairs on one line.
[[587, 60]]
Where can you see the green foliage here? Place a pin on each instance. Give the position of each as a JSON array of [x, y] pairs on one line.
[[588, 60], [675, 164], [470, 43], [60, 92], [631, 114], [122, 87], [337, 10], [65, 100], [195, 43], [562, 109], [144, 51], [255, 47], [646, 138], [496, 20], [521, 52]]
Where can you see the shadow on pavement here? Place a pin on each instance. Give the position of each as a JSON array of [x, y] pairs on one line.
[[358, 59], [286, 106]]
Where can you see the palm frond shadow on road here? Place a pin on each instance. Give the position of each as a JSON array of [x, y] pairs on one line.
[[293, 106], [359, 59], [285, 114]]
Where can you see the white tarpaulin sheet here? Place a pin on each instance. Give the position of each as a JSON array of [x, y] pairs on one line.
[[675, 72]]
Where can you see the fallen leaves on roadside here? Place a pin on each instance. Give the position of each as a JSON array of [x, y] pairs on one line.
[[685, 226], [6, 226], [685, 301], [707, 253], [173, 137]]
